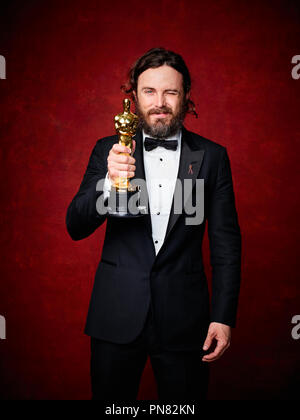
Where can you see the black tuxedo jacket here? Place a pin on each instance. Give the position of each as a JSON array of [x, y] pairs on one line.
[[130, 277]]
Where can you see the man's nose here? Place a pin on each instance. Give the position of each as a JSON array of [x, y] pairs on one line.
[[160, 100]]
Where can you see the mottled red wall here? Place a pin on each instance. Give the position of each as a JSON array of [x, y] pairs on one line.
[[65, 63]]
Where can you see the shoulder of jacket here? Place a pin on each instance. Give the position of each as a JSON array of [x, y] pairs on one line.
[[207, 143], [109, 140]]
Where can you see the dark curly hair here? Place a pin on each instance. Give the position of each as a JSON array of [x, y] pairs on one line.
[[157, 57]]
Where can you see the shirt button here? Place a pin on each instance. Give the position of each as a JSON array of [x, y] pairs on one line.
[[156, 242], [158, 213], [160, 159], [159, 185]]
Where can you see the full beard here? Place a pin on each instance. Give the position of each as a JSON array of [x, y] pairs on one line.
[[160, 128]]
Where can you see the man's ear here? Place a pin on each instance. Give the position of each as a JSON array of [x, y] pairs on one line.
[[134, 94], [188, 95]]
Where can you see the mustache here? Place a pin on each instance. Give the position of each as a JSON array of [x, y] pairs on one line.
[[162, 110]]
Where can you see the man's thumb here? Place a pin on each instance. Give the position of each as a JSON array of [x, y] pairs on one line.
[[133, 147]]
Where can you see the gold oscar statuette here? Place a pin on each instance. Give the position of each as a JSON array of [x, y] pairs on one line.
[[125, 125], [122, 190]]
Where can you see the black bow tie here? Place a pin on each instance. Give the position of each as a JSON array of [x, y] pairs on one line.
[[151, 144]]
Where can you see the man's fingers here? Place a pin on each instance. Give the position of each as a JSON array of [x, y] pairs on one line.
[[121, 167], [116, 173], [120, 158], [207, 342], [118, 148], [219, 350], [221, 333]]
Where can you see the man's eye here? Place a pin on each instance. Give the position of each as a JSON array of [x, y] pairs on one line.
[[148, 91]]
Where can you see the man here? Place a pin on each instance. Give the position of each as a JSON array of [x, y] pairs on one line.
[[150, 295]]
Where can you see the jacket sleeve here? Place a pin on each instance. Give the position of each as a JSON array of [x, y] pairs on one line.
[[225, 246], [82, 217]]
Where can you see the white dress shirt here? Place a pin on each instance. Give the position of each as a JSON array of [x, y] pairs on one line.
[[161, 170]]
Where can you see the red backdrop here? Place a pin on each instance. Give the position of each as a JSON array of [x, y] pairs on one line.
[[65, 63]]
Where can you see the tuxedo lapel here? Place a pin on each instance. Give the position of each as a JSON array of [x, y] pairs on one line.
[[191, 158]]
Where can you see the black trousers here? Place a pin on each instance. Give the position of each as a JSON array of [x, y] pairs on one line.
[[116, 369]]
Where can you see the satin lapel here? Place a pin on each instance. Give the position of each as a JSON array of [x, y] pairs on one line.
[[140, 172], [191, 158]]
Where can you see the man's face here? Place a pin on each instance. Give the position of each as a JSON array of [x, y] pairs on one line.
[[160, 101]]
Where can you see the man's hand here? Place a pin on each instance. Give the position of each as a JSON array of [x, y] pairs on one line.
[[222, 334], [120, 165]]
